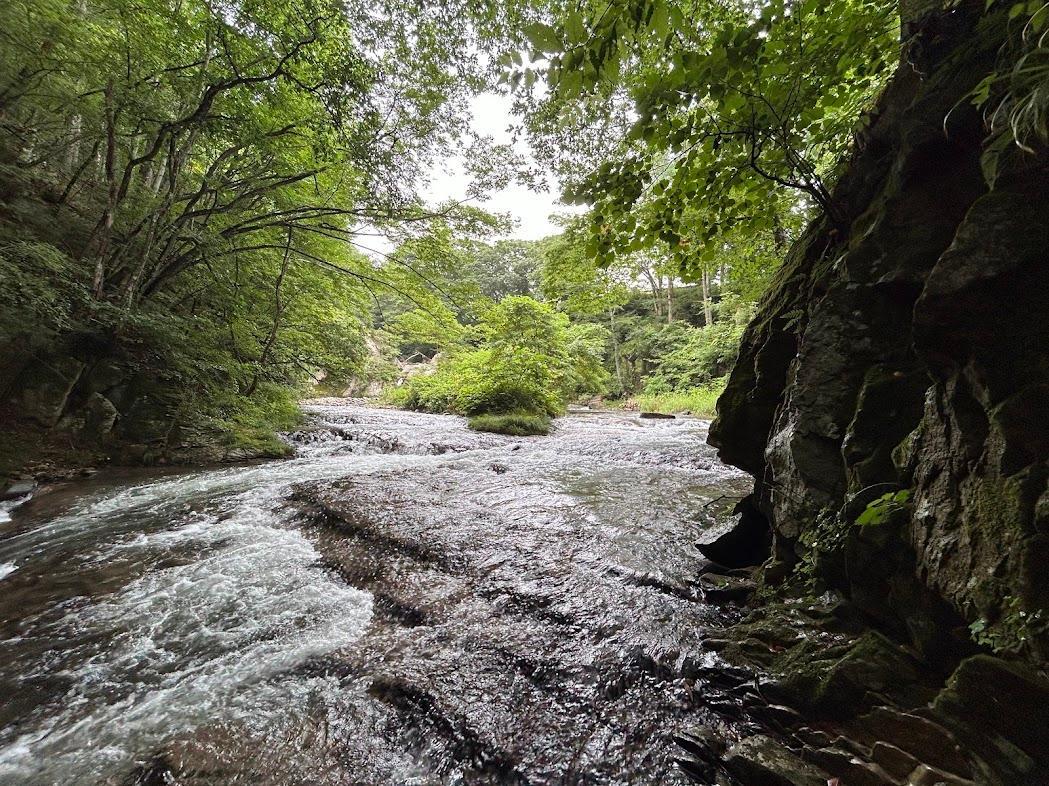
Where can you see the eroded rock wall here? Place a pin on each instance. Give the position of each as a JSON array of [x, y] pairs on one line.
[[907, 348]]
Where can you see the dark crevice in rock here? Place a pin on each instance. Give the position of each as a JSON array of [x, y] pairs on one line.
[[747, 543]]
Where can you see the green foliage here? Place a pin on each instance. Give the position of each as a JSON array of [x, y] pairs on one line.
[[700, 355], [1015, 96], [514, 424], [187, 187], [427, 332], [586, 346], [43, 289], [521, 365], [506, 267], [700, 401], [251, 423], [879, 510], [1012, 630], [699, 118], [571, 278]]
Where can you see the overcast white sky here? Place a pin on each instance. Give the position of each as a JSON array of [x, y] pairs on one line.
[[492, 116]]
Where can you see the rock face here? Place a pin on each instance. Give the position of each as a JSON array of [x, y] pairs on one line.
[[907, 348], [75, 405]]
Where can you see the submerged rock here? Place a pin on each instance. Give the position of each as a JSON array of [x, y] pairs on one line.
[[16, 489]]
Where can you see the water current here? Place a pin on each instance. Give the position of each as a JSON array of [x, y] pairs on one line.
[[403, 601]]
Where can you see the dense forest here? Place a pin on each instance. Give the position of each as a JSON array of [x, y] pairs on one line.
[[823, 222], [196, 202]]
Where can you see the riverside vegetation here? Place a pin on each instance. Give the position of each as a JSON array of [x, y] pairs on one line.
[[190, 201], [831, 216]]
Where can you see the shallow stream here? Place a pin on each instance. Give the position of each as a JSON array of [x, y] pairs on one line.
[[403, 602]]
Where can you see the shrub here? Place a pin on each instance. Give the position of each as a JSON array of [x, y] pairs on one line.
[[515, 424], [520, 366], [703, 354], [700, 401]]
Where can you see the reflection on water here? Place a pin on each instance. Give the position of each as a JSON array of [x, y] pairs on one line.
[[404, 601]]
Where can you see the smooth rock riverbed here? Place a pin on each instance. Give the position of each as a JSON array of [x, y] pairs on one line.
[[404, 601]]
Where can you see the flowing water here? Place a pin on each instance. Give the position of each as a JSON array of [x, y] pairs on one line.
[[403, 602]]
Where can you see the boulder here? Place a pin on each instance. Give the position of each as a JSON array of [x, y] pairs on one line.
[[747, 543], [925, 739], [16, 489], [905, 345], [720, 588], [45, 389], [1000, 712], [100, 415]]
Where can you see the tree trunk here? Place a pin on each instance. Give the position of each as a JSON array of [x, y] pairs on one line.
[[615, 348], [278, 312], [657, 298], [708, 311], [104, 229]]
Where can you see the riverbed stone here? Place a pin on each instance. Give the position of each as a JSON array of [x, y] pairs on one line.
[[895, 761], [999, 711], [762, 761], [840, 683], [15, 489], [719, 589], [923, 738]]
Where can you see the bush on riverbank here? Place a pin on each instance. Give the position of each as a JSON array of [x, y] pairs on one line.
[[514, 424]]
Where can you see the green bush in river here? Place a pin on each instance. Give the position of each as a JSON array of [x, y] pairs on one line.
[[515, 424], [526, 359]]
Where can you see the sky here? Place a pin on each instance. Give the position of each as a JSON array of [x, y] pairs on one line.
[[492, 116]]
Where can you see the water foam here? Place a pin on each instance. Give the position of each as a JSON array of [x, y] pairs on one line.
[[202, 642]]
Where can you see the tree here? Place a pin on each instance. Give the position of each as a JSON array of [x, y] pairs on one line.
[[734, 104], [200, 180]]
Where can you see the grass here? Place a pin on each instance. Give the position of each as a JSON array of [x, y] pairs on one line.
[[514, 424], [700, 401]]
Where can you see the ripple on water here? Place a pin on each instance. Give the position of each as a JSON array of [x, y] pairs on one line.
[[532, 598], [176, 647]]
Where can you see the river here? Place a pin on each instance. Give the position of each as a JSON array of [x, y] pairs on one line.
[[404, 601]]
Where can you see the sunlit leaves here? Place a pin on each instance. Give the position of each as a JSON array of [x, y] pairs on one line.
[[732, 105]]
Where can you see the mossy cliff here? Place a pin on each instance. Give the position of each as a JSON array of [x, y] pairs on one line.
[[891, 400], [907, 348]]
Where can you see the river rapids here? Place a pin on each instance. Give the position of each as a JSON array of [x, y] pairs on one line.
[[404, 601]]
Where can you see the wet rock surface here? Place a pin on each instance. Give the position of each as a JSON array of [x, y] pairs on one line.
[[889, 400], [404, 602], [918, 364], [388, 608]]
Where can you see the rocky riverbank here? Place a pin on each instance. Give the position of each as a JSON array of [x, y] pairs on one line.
[[812, 695]]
